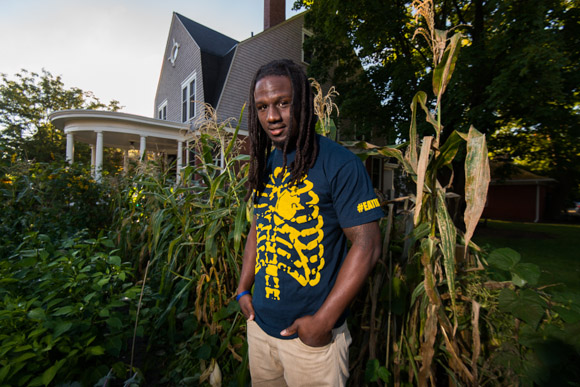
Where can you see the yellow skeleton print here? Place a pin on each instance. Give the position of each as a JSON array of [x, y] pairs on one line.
[[284, 209]]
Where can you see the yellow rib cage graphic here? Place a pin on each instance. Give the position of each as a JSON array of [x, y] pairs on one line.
[[278, 235]]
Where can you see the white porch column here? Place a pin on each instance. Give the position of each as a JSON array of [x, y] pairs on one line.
[[179, 159], [187, 153], [142, 148], [99, 157], [70, 148]]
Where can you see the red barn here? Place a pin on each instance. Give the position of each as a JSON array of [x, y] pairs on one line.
[[515, 194]]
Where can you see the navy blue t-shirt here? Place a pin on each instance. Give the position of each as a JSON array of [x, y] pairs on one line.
[[300, 242]]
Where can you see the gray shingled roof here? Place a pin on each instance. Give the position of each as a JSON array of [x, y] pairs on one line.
[[216, 56]]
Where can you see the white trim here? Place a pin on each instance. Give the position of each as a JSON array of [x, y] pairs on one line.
[[173, 52], [122, 130]]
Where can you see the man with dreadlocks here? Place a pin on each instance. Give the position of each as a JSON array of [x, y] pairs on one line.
[[310, 196]]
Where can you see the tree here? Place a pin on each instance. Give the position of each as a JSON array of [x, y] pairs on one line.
[[26, 101], [517, 78]]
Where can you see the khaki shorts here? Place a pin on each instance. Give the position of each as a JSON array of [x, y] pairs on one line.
[[277, 362]]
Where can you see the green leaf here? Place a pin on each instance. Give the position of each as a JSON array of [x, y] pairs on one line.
[[115, 323], [63, 311], [108, 243], [528, 272], [4, 371], [61, 328], [503, 259], [372, 371], [420, 231], [568, 315], [518, 281], [24, 357], [527, 305], [398, 155], [226, 311], [103, 281], [448, 151], [95, 350], [115, 260], [419, 290], [477, 178], [239, 225], [204, 352], [448, 240], [444, 70], [384, 374], [50, 373], [37, 314]]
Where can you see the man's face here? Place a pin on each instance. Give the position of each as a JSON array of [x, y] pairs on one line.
[[273, 96]]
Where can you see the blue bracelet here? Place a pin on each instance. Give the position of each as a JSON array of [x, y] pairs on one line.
[[242, 294]]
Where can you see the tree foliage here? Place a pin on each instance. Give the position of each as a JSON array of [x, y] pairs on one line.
[[26, 101], [517, 79]]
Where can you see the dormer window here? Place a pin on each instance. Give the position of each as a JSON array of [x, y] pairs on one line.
[[188, 97]]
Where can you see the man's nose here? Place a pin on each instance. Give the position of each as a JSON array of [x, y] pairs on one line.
[[273, 114]]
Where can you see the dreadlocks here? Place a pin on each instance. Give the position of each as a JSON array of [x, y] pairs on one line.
[[303, 111]]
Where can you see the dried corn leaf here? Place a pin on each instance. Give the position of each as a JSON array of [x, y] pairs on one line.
[[421, 171], [477, 178], [427, 346]]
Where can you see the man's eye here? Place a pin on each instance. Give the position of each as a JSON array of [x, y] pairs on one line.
[[284, 103], [261, 108]]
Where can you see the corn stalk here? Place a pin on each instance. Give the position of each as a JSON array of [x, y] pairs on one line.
[[191, 234], [430, 335]]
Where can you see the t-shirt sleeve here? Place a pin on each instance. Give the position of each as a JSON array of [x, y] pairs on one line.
[[353, 195]]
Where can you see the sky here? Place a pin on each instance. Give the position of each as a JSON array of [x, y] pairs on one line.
[[114, 48]]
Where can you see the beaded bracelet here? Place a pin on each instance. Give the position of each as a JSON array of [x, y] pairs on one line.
[[242, 294]]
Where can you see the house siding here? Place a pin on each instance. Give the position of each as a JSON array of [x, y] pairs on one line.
[[171, 77], [283, 41]]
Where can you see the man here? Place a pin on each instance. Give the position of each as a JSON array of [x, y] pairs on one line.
[[310, 196]]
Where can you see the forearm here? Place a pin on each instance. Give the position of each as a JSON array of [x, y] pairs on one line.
[[248, 262], [359, 262]]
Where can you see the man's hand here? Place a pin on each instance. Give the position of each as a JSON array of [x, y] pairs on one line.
[[311, 332], [247, 307]]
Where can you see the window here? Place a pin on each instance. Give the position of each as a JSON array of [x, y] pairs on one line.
[[376, 172], [162, 111], [188, 93], [307, 51]]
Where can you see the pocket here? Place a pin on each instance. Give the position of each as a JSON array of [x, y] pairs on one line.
[[309, 348]]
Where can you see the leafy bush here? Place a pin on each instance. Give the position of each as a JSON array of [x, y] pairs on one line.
[[67, 309], [540, 340], [55, 199]]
